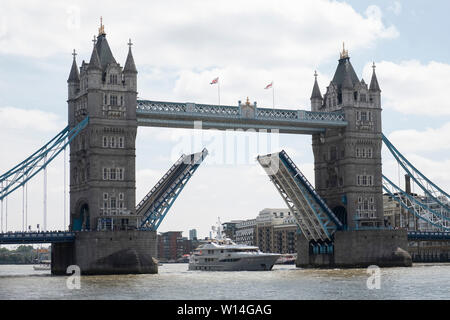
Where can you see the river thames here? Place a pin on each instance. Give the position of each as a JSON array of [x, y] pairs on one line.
[[284, 282]]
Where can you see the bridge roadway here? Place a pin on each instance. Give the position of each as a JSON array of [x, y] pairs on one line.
[[36, 237], [243, 116], [69, 236]]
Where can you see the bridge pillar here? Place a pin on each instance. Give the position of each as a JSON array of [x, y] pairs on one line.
[[102, 167], [107, 252], [347, 164]]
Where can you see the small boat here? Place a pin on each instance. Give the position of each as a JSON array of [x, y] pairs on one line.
[[43, 265], [287, 259]]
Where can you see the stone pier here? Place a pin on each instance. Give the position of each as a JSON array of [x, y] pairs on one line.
[[107, 252], [358, 249]]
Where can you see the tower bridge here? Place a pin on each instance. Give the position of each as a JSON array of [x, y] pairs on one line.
[[340, 219]]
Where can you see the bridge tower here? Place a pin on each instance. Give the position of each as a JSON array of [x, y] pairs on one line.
[[102, 170], [102, 157], [348, 160]]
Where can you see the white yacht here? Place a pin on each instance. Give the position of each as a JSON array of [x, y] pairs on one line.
[[222, 254]]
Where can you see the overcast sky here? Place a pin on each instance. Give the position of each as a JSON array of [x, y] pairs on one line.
[[180, 46]]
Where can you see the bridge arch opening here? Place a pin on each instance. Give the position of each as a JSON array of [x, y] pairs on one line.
[[81, 221]]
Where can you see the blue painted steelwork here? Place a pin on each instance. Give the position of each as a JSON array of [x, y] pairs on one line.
[[315, 220], [416, 207], [155, 205], [183, 115], [27, 169], [302, 179], [36, 237], [430, 189], [420, 235]]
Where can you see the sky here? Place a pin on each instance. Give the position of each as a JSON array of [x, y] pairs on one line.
[[180, 46]]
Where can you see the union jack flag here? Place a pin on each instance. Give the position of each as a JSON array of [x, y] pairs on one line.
[[215, 80], [269, 85]]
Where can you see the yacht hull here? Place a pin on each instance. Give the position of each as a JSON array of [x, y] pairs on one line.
[[258, 263]]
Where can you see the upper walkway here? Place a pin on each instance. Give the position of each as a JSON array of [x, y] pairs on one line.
[[243, 116]]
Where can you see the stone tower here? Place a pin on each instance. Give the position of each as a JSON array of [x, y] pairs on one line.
[[102, 156], [348, 161]]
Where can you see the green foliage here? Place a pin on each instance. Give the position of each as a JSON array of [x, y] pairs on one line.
[[22, 255]]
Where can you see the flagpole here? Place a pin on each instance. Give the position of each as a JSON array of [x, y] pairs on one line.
[[273, 96], [218, 89]]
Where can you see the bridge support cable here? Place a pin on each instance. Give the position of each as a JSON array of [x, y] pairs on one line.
[[1, 212], [415, 206], [313, 217], [440, 198], [65, 189], [27, 169], [45, 195], [155, 205]]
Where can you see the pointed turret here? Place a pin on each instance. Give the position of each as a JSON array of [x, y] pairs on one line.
[[130, 66], [316, 90], [374, 81], [74, 76], [130, 71], [347, 83], [94, 63], [316, 96]]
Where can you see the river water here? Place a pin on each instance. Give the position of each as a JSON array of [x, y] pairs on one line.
[[284, 282]]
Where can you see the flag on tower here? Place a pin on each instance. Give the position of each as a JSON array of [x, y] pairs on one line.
[[269, 86], [215, 80]]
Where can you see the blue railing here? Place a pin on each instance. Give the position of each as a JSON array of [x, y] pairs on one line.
[[235, 112], [430, 235], [36, 237]]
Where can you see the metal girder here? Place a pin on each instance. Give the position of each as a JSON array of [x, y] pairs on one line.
[[415, 206], [439, 196], [315, 220], [27, 169], [155, 205]]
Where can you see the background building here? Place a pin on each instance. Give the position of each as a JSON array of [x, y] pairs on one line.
[[275, 231], [229, 228], [193, 234], [170, 245], [245, 231]]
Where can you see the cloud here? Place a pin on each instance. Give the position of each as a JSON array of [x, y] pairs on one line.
[[412, 87], [395, 7], [431, 139], [16, 118], [21, 133], [195, 34], [426, 150]]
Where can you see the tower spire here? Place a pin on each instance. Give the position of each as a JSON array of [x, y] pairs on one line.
[[316, 90], [374, 81], [94, 63], [74, 75], [344, 53], [101, 30], [130, 66]]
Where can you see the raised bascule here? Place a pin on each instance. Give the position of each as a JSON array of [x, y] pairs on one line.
[[340, 219]]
